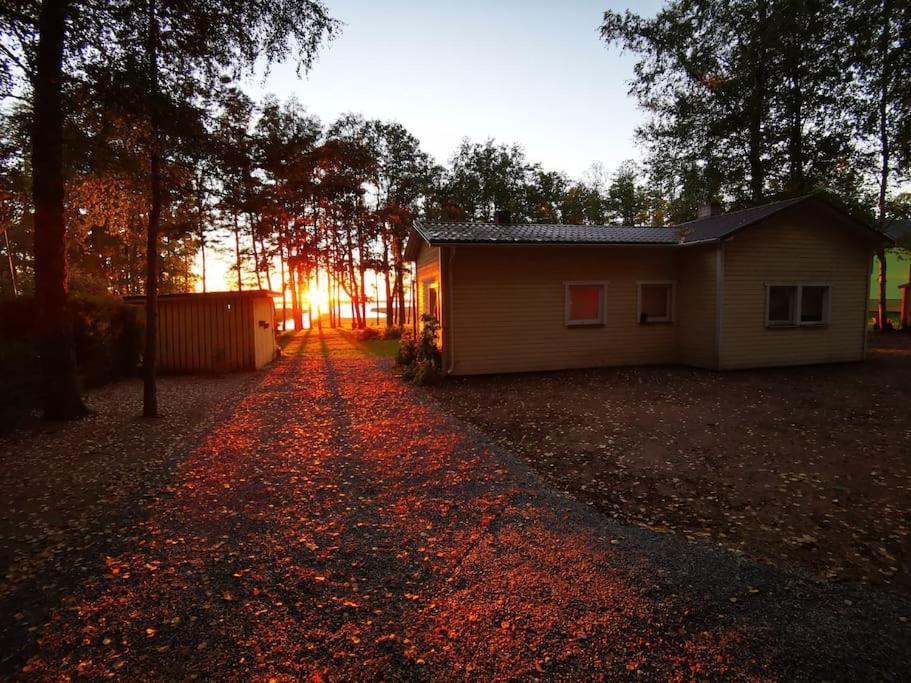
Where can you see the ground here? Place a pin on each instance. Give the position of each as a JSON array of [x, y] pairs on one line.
[[325, 520], [807, 467]]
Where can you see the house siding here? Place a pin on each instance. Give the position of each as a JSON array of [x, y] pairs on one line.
[[428, 272], [507, 308], [696, 306], [794, 248]]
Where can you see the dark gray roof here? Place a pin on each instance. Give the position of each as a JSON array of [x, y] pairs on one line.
[[899, 229], [543, 233], [722, 225], [709, 229]]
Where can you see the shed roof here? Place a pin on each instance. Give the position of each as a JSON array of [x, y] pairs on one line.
[[701, 230], [243, 294]]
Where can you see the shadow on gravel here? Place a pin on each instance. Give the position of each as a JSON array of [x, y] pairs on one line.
[[338, 524]]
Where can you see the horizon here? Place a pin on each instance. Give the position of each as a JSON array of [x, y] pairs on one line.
[[363, 69]]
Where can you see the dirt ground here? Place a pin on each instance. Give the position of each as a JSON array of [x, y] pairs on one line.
[[325, 521], [808, 468], [63, 483]]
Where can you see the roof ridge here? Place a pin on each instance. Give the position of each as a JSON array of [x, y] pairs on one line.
[[767, 205], [560, 225]]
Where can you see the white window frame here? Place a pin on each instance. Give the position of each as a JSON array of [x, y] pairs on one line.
[[567, 303], [671, 305], [798, 303]]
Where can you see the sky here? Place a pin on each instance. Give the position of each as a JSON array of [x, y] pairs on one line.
[[533, 72]]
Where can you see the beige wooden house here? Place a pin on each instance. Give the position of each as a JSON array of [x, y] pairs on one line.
[[781, 284], [215, 331]]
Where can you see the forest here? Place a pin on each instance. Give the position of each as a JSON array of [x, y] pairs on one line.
[[130, 152]]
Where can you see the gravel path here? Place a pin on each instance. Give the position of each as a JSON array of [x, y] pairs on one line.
[[337, 524]]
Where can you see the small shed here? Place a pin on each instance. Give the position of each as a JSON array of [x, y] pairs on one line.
[[215, 331]]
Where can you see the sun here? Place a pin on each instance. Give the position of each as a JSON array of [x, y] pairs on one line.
[[318, 297]]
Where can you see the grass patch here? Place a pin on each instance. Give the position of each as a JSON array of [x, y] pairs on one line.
[[381, 348], [384, 348]]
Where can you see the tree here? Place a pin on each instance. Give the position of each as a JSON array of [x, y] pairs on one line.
[[403, 181], [234, 153], [286, 148], [627, 200], [880, 29], [485, 178], [59, 384], [758, 91], [177, 50]]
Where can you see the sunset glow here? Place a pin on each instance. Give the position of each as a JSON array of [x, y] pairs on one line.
[[318, 298]]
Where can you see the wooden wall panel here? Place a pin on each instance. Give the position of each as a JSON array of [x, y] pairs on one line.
[[214, 333]]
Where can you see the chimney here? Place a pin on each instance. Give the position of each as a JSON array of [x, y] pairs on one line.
[[712, 208], [502, 217]]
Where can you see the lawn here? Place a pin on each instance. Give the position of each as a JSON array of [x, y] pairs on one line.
[[382, 348], [807, 467]]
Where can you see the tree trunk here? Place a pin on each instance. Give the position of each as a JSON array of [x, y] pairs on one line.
[[396, 314], [202, 251], [399, 256], [281, 272], [267, 267], [884, 151], [259, 282], [149, 388], [240, 283], [882, 312], [59, 383], [296, 312], [390, 320], [795, 146], [12, 266], [757, 106]]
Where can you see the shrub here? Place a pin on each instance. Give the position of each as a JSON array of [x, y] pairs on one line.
[[368, 334], [408, 351], [420, 359], [392, 333]]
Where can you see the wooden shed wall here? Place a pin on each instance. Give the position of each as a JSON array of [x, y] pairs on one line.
[[206, 333], [798, 247], [264, 337], [508, 308]]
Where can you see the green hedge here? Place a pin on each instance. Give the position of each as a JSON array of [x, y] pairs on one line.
[[108, 338]]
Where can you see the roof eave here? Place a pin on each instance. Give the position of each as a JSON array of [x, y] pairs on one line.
[[415, 236], [542, 243]]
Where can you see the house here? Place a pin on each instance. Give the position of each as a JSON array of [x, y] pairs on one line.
[[781, 284], [214, 331], [898, 267]]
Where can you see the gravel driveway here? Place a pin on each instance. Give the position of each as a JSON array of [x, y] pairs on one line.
[[337, 524]]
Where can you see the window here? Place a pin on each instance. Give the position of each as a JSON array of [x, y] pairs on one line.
[[433, 300], [584, 303], [781, 305], [656, 302], [813, 304], [792, 305]]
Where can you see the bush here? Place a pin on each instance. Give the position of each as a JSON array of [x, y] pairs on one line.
[[408, 351], [107, 335], [420, 359], [368, 334], [392, 333]]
